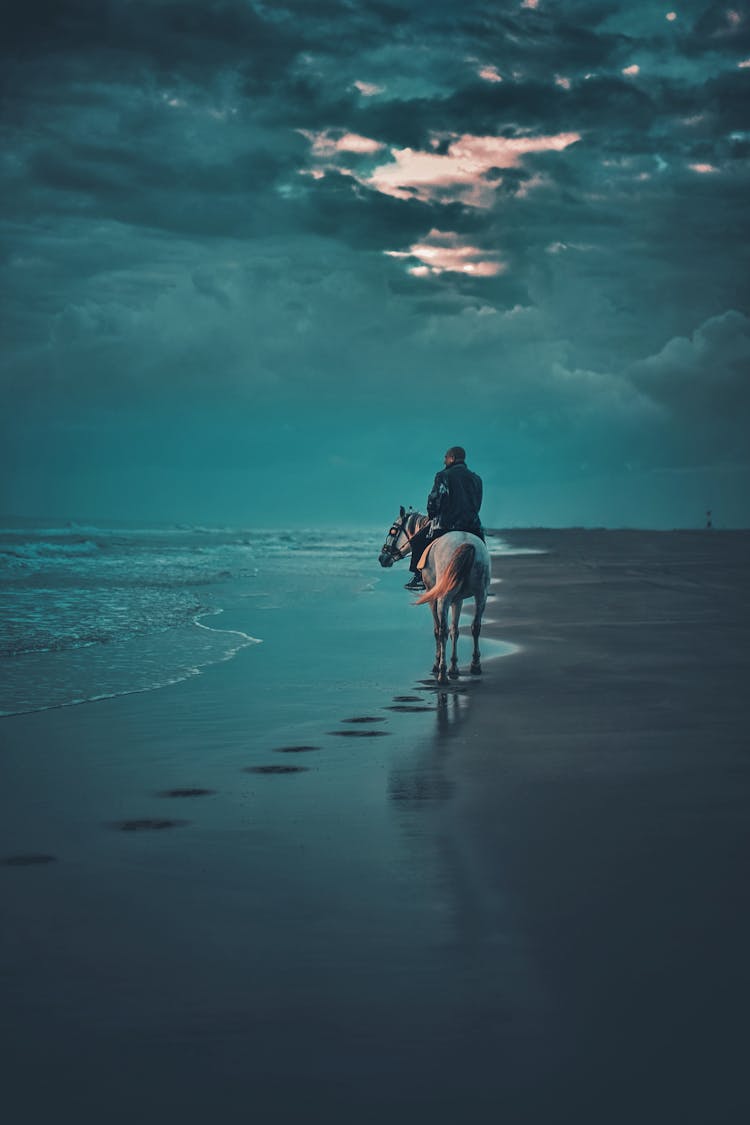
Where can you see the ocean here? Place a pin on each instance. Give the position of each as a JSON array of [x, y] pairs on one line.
[[93, 612]]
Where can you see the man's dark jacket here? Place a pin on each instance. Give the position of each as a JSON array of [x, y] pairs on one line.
[[455, 500]]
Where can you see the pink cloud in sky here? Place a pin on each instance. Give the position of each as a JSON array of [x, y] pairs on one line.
[[632, 70], [734, 17], [444, 252], [671, 16], [744, 64], [458, 174], [326, 144], [352, 142], [368, 89], [490, 74], [704, 169], [530, 4], [461, 173], [561, 81]]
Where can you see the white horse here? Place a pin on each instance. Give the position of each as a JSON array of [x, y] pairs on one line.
[[457, 567]]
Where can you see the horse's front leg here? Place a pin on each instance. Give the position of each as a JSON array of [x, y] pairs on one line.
[[455, 614], [476, 629]]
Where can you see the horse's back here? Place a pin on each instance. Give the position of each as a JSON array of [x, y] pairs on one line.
[[481, 554], [477, 579]]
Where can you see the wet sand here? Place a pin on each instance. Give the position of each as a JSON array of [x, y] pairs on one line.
[[533, 909], [603, 805]]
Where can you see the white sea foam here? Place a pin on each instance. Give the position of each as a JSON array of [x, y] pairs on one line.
[[246, 638]]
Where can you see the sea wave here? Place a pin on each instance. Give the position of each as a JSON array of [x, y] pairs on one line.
[[41, 681], [57, 619], [77, 602], [44, 549]]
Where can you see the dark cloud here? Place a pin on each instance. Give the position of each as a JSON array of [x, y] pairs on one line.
[[177, 259], [720, 28], [703, 380], [177, 35]]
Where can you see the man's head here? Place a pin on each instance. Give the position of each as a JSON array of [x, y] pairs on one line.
[[455, 453]]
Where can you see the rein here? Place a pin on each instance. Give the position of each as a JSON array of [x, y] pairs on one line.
[[398, 529]]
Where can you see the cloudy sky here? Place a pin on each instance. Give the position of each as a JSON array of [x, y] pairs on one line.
[[264, 262]]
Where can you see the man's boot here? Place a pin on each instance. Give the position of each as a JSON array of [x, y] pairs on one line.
[[416, 582]]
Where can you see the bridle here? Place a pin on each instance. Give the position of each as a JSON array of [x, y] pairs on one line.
[[389, 548]]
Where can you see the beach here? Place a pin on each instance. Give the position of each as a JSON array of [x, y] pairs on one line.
[[306, 882]]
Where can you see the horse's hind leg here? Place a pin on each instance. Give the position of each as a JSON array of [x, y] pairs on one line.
[[436, 623], [441, 617], [455, 614], [476, 629]]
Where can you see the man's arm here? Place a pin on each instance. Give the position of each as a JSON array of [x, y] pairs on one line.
[[479, 491], [434, 500]]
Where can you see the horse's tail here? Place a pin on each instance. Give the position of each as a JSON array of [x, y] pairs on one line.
[[460, 564]]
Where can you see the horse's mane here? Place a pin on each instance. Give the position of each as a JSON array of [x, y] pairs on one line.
[[415, 520]]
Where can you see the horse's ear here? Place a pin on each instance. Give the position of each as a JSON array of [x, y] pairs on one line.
[[403, 511]]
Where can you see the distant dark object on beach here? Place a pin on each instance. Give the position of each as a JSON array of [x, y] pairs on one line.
[[275, 769], [295, 749], [359, 733], [709, 521], [407, 699], [185, 792], [148, 824], [26, 860], [365, 719]]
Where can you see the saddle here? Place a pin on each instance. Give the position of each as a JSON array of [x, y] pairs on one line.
[[423, 558]]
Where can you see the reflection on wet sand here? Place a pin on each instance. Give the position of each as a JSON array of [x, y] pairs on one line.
[[422, 777], [474, 927]]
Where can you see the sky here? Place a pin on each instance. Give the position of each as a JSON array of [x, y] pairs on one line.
[[263, 263]]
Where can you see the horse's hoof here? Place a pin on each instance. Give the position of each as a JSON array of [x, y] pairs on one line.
[[454, 673], [435, 669], [476, 669], [442, 678]]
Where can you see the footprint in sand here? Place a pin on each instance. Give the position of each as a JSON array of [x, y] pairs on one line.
[[148, 824], [29, 860], [360, 733], [408, 709], [186, 792], [295, 749], [405, 704], [275, 769], [365, 721]]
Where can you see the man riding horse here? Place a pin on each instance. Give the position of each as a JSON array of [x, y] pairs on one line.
[[453, 505]]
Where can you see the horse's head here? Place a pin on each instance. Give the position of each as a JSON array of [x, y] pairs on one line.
[[398, 540]]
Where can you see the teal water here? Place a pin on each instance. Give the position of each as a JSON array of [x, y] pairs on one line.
[[90, 613]]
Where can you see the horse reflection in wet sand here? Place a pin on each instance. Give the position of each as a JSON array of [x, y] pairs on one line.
[[457, 567]]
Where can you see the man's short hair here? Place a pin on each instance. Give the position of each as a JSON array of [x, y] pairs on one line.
[[457, 453]]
